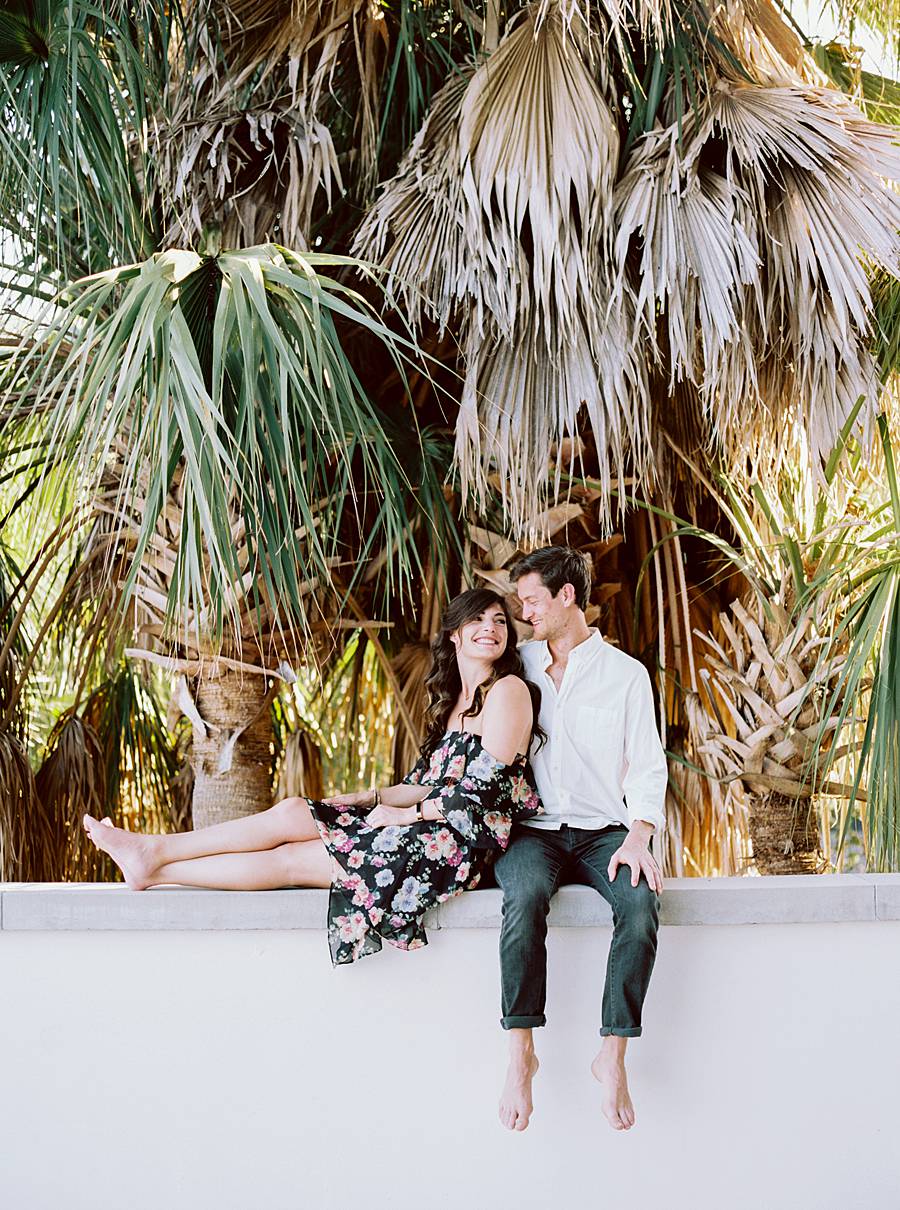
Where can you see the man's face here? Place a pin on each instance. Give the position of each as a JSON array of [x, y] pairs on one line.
[[546, 613]]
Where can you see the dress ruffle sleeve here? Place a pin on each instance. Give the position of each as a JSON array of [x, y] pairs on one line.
[[421, 773], [485, 800]]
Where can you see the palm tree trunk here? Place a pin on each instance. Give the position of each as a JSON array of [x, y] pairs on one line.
[[228, 702], [784, 832]]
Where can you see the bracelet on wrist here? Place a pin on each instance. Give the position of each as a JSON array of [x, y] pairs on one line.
[[376, 797]]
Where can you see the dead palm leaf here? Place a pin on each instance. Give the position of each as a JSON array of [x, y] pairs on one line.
[[28, 851], [70, 782]]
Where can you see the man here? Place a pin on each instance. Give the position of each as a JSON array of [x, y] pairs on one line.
[[602, 776]]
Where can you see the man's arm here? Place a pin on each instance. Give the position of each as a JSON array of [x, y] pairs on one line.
[[646, 774], [644, 783]]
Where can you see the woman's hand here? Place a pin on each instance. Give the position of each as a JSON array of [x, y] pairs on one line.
[[359, 798], [383, 817]]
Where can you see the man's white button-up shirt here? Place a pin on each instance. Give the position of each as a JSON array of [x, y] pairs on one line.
[[602, 761]]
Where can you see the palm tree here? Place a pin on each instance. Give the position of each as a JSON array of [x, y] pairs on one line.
[[614, 240]]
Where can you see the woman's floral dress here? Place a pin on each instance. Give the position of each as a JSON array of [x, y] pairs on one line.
[[392, 875]]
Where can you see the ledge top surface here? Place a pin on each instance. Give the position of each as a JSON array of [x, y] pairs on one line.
[[789, 899]]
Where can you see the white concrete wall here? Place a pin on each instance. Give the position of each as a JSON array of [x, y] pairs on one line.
[[235, 1070]]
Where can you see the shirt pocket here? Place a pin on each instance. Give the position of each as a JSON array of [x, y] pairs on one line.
[[599, 729]]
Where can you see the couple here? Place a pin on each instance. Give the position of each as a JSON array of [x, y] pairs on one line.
[[585, 712]]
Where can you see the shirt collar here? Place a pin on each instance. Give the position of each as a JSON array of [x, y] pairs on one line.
[[588, 648], [583, 651]]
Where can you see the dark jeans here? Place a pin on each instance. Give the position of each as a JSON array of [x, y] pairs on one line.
[[529, 873]]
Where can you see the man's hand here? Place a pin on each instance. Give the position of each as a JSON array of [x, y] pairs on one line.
[[383, 816], [634, 853], [359, 798]]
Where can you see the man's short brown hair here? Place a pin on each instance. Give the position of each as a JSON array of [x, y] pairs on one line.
[[557, 565]]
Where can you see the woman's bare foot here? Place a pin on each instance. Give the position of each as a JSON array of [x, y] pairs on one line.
[[516, 1106], [132, 854], [609, 1069]]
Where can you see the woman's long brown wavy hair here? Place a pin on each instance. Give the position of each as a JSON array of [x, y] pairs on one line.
[[443, 681]]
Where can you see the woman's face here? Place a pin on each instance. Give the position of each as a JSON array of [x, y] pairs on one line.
[[484, 637]]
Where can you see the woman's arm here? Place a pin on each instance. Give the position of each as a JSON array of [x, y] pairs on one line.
[[401, 795]]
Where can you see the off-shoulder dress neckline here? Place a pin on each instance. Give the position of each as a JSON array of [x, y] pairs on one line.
[[474, 735]]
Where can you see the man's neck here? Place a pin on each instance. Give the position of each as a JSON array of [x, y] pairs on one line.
[[573, 636]]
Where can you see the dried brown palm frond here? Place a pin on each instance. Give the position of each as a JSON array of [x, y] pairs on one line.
[[243, 147], [28, 851], [538, 149], [507, 188], [519, 403], [749, 230], [707, 812], [814, 167], [706, 829], [411, 666], [70, 782], [416, 228], [769, 49], [698, 262], [300, 767]]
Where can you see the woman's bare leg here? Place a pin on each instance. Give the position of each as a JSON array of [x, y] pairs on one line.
[[305, 863], [138, 856]]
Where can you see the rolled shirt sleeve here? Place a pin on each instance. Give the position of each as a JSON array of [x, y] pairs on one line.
[[646, 773]]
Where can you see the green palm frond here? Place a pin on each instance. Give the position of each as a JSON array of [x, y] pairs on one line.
[[868, 689], [140, 758], [260, 417], [878, 96], [886, 322], [77, 81]]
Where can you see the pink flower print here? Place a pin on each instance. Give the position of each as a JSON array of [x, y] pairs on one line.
[[455, 857], [456, 767], [432, 848], [415, 944], [375, 914], [499, 825], [446, 841], [344, 819], [378, 861], [363, 897], [352, 928], [355, 860], [519, 789], [463, 872], [397, 922]]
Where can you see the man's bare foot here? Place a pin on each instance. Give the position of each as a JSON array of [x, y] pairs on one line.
[[515, 1101], [132, 854], [609, 1069]]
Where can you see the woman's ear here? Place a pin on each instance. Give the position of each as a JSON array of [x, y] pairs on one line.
[[455, 639]]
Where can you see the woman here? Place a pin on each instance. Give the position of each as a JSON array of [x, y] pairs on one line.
[[387, 855]]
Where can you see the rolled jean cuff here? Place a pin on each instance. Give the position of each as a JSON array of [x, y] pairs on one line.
[[523, 1022], [626, 1031]]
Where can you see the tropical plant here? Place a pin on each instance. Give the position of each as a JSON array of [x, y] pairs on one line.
[[622, 235]]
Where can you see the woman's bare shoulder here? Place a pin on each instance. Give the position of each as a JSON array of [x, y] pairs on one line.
[[509, 693]]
